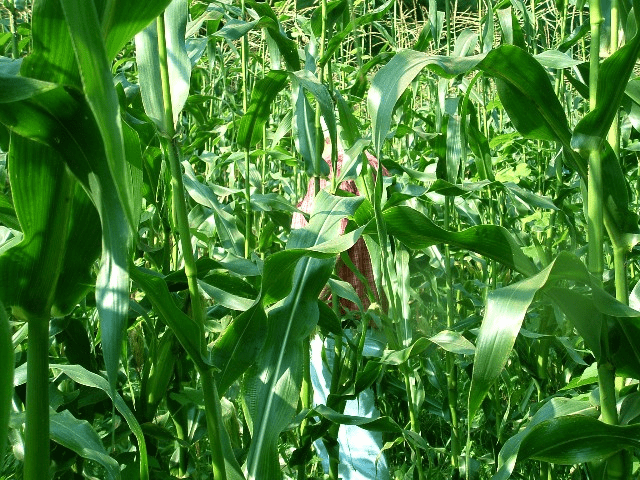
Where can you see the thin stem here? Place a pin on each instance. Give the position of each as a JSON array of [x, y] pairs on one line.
[[452, 372], [247, 165], [36, 453], [213, 410], [15, 52]]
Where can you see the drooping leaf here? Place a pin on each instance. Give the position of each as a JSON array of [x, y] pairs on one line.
[[114, 198], [82, 376], [613, 76], [366, 19], [577, 439], [505, 311], [523, 85], [184, 328], [97, 82], [78, 436], [239, 345], [264, 93], [268, 20], [279, 267], [124, 19], [416, 231], [42, 191], [556, 407], [16, 88]]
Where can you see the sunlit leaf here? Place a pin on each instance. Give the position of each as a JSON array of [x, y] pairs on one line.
[[272, 385], [179, 65]]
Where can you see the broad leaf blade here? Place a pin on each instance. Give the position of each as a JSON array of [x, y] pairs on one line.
[[179, 65], [238, 346], [95, 72], [82, 376], [80, 437], [272, 384], [577, 439], [264, 93], [184, 328], [416, 231]]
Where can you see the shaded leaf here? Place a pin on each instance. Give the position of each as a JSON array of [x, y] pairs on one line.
[[80, 437], [264, 93], [239, 345], [7, 361], [185, 329], [82, 376]]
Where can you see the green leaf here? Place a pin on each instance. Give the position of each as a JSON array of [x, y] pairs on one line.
[[391, 81], [83, 247], [82, 376], [16, 88], [453, 342], [238, 347], [450, 341], [228, 290], [577, 439], [95, 72], [304, 132], [122, 19], [42, 191], [556, 407], [179, 65], [523, 85], [185, 329], [268, 20], [264, 93], [7, 361], [310, 83], [416, 231], [80, 437], [279, 267], [336, 40], [272, 385], [613, 76], [231, 238], [505, 311]]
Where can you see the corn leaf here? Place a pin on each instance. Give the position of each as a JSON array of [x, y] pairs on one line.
[[505, 311], [556, 407], [122, 19], [185, 329], [7, 361], [84, 377], [416, 231], [577, 439], [613, 76], [179, 65], [239, 345], [95, 72], [42, 191], [272, 385], [264, 93], [80, 437]]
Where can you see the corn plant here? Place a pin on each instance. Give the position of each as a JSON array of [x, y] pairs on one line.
[[154, 158]]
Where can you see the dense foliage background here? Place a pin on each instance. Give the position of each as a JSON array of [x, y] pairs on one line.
[[161, 310]]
